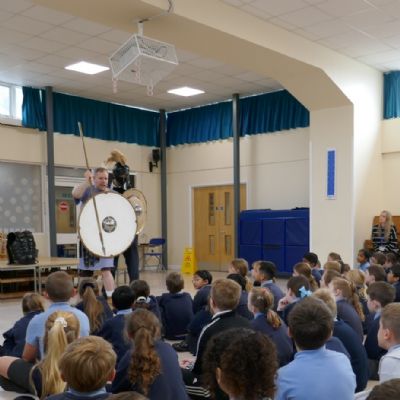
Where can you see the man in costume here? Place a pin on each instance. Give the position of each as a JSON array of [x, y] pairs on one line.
[[88, 263], [121, 183]]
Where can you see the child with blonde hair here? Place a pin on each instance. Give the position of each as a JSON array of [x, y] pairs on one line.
[[44, 378], [86, 366], [240, 266], [348, 305], [267, 321]]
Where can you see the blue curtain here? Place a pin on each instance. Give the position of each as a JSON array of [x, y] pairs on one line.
[[100, 120], [34, 108], [391, 95], [201, 124], [270, 112]]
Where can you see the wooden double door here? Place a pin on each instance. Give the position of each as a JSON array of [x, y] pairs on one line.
[[214, 238]]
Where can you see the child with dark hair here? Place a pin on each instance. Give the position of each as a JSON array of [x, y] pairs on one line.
[[378, 258], [151, 366], [94, 306], [86, 366], [375, 273], [143, 299], [389, 390], [349, 338], [363, 257], [380, 294], [113, 329], [315, 372], [298, 288], [265, 273], [229, 363], [14, 338], [389, 339], [391, 259], [393, 278], [176, 307], [348, 304], [202, 280], [269, 323], [242, 308], [312, 260]]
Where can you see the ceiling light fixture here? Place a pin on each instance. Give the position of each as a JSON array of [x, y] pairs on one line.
[[186, 91], [86, 68]]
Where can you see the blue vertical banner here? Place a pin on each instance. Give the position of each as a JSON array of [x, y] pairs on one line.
[[331, 174]]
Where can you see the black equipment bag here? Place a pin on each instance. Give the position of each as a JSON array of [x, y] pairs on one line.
[[21, 248]]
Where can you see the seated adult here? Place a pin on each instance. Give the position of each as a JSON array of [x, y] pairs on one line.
[[384, 234]]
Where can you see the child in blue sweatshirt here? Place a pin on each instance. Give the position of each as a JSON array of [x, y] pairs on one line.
[[14, 338], [176, 308]]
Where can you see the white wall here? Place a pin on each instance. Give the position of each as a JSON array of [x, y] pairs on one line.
[[273, 166], [29, 146]]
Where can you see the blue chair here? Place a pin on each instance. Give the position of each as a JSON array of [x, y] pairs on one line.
[[154, 250]]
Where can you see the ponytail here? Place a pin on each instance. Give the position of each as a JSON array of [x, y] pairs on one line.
[[88, 290], [273, 319], [263, 300], [62, 328], [144, 329], [355, 301]]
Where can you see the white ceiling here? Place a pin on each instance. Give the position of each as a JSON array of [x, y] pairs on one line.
[[36, 43], [367, 30]]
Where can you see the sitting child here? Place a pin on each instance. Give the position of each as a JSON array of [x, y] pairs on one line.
[[224, 298], [380, 294], [378, 258], [328, 276], [349, 338], [265, 272], [389, 390], [312, 260], [332, 256], [389, 339], [113, 329], [242, 308], [391, 259], [86, 366], [240, 266], [151, 366], [176, 307], [94, 306], [348, 305], [143, 299], [44, 378], [333, 266], [375, 273], [304, 269], [231, 355], [268, 322], [315, 373], [363, 259], [393, 278], [297, 288], [202, 280], [14, 338], [357, 278]]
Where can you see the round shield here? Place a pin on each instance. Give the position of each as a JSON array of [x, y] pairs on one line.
[[117, 220], [139, 204]]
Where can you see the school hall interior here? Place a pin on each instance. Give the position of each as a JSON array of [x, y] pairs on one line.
[[335, 61]]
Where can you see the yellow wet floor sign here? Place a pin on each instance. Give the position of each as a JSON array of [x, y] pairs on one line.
[[189, 265]]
